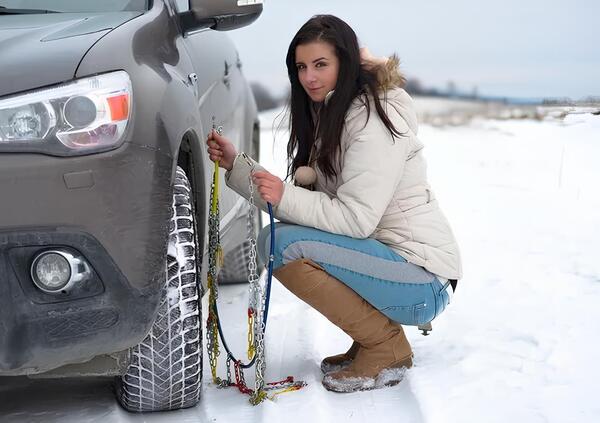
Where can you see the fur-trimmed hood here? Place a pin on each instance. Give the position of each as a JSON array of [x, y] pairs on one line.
[[392, 93], [389, 74]]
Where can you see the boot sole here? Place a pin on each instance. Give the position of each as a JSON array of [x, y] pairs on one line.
[[385, 378]]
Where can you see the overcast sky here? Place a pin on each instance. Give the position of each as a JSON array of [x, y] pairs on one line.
[[516, 48]]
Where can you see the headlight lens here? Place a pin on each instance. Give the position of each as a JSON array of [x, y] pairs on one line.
[[86, 115], [32, 121]]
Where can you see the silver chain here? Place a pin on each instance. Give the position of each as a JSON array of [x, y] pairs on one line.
[[253, 277], [256, 295], [228, 370]]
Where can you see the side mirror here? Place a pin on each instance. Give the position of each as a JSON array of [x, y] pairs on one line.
[[221, 15]]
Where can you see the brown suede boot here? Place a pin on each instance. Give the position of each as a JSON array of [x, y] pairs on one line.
[[339, 361], [384, 351]]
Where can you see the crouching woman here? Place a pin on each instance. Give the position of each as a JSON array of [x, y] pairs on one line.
[[361, 238]]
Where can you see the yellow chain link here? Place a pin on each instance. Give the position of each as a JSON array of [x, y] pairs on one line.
[[283, 391], [258, 397], [251, 349], [220, 256], [216, 189]]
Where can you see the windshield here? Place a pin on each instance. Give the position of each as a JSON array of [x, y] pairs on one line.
[[76, 5]]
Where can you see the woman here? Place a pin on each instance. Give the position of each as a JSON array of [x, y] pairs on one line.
[[362, 239]]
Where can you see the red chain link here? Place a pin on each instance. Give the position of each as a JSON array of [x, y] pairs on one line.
[[239, 380]]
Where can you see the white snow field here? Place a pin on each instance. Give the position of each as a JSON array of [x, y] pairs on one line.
[[519, 343]]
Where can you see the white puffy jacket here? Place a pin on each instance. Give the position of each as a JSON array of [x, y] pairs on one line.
[[381, 191]]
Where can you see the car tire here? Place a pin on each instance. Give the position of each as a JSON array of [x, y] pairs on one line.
[[165, 372]]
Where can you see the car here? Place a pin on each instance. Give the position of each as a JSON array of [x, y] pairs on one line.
[[105, 184]]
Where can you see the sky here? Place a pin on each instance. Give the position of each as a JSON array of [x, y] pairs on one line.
[[513, 48]]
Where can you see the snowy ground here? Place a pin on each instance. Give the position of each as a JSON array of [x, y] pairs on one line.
[[519, 343]]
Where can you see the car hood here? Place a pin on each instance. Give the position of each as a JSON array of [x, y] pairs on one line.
[[45, 49]]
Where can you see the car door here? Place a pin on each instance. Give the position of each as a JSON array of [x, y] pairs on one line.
[[220, 93]]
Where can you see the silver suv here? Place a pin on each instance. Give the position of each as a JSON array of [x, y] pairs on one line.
[[104, 186]]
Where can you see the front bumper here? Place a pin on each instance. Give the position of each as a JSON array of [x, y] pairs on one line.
[[114, 209]]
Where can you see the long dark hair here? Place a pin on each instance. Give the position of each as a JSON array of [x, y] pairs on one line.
[[353, 81]]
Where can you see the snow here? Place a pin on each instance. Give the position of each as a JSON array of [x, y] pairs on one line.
[[518, 339], [518, 343], [172, 295]]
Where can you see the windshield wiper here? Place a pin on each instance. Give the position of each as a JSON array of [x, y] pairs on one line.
[[8, 11]]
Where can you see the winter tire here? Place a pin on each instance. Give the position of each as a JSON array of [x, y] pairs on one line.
[[166, 367]]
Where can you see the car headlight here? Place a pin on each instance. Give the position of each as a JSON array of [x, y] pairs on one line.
[[80, 117]]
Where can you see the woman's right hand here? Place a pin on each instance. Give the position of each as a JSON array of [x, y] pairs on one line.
[[221, 149]]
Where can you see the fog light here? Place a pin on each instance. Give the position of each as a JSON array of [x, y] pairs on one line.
[[56, 270]]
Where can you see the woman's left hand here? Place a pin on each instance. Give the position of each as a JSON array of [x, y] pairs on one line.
[[269, 186]]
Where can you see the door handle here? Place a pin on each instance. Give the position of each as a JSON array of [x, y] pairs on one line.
[[193, 81]]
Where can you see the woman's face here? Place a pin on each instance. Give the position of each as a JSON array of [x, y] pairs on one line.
[[318, 68]]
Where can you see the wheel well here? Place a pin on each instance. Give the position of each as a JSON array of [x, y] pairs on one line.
[[184, 156], [191, 164]]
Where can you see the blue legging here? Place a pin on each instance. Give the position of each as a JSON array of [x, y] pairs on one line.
[[405, 292]]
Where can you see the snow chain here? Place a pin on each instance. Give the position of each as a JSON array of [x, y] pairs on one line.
[[257, 304], [215, 259]]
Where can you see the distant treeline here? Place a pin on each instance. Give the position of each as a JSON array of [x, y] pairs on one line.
[[566, 101]]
